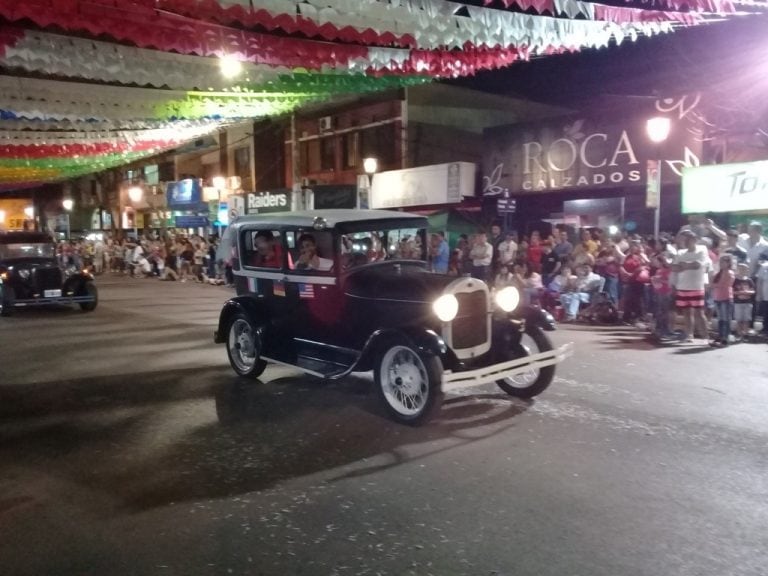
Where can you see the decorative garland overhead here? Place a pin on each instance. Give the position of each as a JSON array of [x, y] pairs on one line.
[[117, 81]]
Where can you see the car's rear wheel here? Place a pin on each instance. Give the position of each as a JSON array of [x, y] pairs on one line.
[[408, 382], [90, 290], [244, 347], [7, 298]]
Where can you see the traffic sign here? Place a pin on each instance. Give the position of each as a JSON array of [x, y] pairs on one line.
[[506, 205]]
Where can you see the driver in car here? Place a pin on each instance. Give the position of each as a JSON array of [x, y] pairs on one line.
[[309, 259]]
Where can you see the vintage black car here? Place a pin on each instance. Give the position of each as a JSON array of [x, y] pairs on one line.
[[30, 275], [337, 291]]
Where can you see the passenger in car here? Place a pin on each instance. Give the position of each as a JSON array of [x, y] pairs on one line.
[[309, 259], [268, 251]]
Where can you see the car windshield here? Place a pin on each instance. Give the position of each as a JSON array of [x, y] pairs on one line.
[[24, 250], [378, 245]]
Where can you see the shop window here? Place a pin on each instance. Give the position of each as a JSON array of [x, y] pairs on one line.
[[309, 159], [350, 143], [243, 166], [327, 153], [379, 143]]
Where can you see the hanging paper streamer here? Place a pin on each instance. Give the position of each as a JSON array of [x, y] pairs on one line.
[[109, 82]]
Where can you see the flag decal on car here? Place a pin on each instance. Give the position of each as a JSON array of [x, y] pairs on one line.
[[306, 291]]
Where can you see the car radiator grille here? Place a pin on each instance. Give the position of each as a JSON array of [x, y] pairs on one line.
[[46, 279], [470, 327]]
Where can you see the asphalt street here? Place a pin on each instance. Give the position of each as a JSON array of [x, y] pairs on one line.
[[129, 447]]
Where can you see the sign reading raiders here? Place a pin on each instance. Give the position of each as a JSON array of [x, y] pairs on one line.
[[265, 202]]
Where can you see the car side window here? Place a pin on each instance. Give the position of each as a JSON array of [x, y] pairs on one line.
[[310, 250], [262, 249]]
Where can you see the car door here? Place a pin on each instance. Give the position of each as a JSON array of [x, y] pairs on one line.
[[313, 292]]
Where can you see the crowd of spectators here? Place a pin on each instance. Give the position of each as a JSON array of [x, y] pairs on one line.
[[171, 258], [700, 273]]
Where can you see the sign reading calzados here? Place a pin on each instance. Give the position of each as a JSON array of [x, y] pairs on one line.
[[577, 154], [263, 202]]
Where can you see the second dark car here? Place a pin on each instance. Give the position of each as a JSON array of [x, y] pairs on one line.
[[30, 275]]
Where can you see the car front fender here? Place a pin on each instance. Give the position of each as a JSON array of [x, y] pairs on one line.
[[247, 305], [535, 316], [425, 341]]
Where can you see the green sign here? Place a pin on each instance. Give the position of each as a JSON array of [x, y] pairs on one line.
[[725, 188]]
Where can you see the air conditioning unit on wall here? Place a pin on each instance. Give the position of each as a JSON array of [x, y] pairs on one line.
[[326, 123]]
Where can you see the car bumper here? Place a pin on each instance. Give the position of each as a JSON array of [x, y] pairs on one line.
[[59, 300], [494, 372]]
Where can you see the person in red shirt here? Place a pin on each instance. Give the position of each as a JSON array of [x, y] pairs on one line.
[[268, 251], [535, 252], [635, 272]]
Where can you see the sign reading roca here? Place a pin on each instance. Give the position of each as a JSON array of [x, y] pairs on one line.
[[581, 153]]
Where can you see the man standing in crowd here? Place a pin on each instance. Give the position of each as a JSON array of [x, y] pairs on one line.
[[691, 265], [563, 248], [756, 245], [439, 253], [481, 255], [507, 251]]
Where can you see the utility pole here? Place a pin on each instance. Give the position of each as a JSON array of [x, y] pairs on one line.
[[298, 194]]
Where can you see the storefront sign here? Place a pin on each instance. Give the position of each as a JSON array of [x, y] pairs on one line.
[[265, 202], [335, 196], [423, 186], [15, 214], [581, 153], [183, 193], [191, 221], [725, 188]]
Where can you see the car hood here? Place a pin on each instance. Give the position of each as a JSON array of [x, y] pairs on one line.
[[405, 282]]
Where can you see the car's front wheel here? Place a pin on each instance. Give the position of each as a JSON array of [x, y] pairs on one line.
[[244, 347], [90, 290], [408, 382], [7, 297], [536, 380]]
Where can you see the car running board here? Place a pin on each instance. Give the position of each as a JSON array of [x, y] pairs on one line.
[[321, 360]]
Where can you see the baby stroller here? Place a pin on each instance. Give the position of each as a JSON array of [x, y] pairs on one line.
[[601, 310]]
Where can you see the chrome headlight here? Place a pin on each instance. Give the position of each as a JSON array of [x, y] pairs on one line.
[[446, 307], [508, 298]]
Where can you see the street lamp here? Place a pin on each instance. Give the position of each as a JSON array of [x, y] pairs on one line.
[[135, 194], [658, 129], [370, 165], [68, 204]]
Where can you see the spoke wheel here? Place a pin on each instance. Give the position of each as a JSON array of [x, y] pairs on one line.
[[409, 383], [535, 380], [244, 347]]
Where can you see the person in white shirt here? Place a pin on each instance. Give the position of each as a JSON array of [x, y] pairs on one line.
[[691, 265], [507, 250], [308, 257], [756, 245], [481, 255]]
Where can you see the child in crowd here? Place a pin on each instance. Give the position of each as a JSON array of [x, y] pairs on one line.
[[743, 298], [722, 293]]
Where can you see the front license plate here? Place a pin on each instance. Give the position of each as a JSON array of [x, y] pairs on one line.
[[52, 293]]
